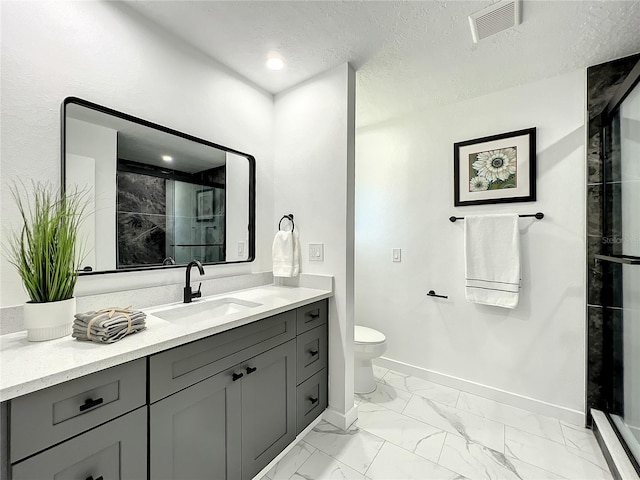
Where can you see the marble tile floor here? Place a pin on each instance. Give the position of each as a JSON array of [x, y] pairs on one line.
[[410, 428]]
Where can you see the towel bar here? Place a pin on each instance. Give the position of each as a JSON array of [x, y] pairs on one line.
[[538, 215], [626, 259]]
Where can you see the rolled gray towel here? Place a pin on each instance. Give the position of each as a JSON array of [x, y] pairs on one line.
[[109, 326]]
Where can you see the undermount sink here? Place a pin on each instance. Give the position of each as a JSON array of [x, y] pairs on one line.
[[205, 310]]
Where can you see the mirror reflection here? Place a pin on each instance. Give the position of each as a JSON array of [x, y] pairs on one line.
[[157, 197]]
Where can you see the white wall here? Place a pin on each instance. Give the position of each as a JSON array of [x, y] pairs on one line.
[[404, 197], [107, 54], [81, 177], [237, 218], [100, 144], [313, 172]]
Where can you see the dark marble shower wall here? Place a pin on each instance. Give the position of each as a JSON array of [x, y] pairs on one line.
[[604, 280], [141, 219]]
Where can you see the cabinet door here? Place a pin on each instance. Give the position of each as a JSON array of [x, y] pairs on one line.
[[195, 433], [268, 406], [116, 450]]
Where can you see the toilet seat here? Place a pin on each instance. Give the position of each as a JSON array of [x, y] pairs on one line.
[[367, 336]]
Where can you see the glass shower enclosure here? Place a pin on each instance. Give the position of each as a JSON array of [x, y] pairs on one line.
[[620, 138]]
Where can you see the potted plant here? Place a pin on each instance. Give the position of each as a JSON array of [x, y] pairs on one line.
[[46, 253]]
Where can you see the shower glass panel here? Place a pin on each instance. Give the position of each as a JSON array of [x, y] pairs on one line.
[[622, 295], [197, 231], [165, 221]]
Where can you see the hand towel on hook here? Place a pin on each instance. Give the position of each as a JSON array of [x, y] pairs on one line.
[[492, 260], [286, 254]]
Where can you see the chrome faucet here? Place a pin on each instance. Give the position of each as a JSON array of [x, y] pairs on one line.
[[188, 293]]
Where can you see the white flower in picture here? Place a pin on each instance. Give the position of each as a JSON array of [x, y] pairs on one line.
[[496, 165], [478, 184]]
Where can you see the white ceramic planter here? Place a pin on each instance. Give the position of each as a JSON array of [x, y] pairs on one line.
[[46, 321]]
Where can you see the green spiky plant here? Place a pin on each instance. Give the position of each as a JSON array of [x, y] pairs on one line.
[[46, 251]]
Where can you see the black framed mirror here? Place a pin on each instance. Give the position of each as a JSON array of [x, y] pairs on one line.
[[157, 197]]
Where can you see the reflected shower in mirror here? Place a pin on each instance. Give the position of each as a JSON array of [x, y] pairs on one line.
[[157, 197]]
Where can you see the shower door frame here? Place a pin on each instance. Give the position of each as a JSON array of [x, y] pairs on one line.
[[609, 260]]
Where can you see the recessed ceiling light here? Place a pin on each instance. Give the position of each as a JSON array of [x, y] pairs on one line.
[[275, 63], [167, 158]]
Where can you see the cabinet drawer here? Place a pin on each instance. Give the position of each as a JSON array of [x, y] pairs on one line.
[[47, 417], [311, 352], [183, 366], [311, 399], [113, 451], [311, 316]]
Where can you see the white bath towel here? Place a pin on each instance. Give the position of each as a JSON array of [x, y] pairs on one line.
[[492, 258], [296, 254], [286, 254]]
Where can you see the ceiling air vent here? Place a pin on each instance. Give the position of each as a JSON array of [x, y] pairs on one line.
[[496, 18]]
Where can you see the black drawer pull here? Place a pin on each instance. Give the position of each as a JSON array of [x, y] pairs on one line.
[[314, 315], [237, 376], [313, 400], [90, 403], [313, 353], [251, 370], [90, 477]]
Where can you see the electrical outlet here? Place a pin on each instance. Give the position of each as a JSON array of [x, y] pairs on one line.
[[396, 254], [316, 252]]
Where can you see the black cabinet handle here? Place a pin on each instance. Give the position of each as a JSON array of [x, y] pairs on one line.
[[314, 315], [313, 353], [90, 477], [237, 376], [90, 403], [251, 370], [313, 400]]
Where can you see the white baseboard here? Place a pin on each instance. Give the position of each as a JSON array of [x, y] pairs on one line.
[[565, 414], [341, 420]]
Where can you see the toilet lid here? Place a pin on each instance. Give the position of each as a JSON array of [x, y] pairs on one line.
[[367, 335]]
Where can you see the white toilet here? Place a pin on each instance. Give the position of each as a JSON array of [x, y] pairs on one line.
[[368, 344]]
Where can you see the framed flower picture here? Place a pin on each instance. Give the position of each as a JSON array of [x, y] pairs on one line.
[[496, 169], [204, 205]]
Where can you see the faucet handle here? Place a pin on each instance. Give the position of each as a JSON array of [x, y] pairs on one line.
[[198, 294]]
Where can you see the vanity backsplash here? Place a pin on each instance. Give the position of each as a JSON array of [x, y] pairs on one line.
[[11, 317]]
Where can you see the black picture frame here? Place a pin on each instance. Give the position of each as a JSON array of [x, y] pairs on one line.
[[495, 169], [205, 208]]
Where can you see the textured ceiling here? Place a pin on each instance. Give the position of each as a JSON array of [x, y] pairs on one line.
[[408, 55]]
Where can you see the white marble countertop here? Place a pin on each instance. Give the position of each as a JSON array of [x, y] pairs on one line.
[[29, 366]]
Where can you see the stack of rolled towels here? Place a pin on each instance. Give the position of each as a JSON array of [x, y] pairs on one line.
[[108, 325]]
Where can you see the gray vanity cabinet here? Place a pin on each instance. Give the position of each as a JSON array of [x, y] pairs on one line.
[[195, 433], [312, 362], [89, 427], [230, 425], [220, 408], [268, 407], [116, 450]]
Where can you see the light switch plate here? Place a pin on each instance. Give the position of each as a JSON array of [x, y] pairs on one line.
[[241, 248], [316, 252], [396, 254]]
